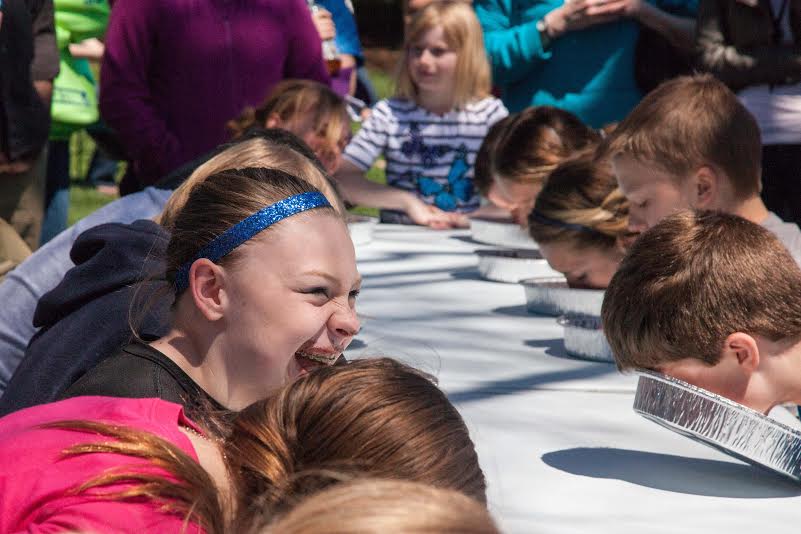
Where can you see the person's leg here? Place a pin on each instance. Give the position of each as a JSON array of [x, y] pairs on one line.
[[22, 197], [102, 169], [57, 196], [781, 181]]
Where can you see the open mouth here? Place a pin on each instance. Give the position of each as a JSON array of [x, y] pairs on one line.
[[322, 358]]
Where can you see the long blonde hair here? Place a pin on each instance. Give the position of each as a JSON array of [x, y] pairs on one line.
[[256, 152], [582, 204], [463, 34], [375, 506]]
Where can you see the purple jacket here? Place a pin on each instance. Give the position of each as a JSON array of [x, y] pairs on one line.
[[175, 71]]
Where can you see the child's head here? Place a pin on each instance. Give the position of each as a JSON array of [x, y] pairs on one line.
[[712, 299], [482, 170], [306, 108], [580, 221], [376, 506], [531, 145], [444, 54], [690, 143]]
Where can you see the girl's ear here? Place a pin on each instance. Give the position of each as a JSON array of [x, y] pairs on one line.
[[207, 287], [273, 121]]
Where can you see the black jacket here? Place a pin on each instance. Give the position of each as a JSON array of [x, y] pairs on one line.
[[88, 316], [28, 53]]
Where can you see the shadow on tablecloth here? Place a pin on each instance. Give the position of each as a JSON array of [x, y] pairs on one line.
[[667, 472]]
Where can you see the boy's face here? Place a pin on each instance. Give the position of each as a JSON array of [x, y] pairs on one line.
[[652, 193]]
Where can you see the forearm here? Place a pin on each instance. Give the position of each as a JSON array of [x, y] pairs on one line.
[[44, 88], [679, 31], [359, 190]]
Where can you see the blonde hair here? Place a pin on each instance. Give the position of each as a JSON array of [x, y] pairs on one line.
[[688, 122], [692, 280], [297, 102], [256, 152], [374, 506], [463, 34], [582, 204]]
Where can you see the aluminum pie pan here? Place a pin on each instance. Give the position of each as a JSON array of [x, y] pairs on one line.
[[585, 339], [720, 423], [361, 229], [550, 295], [511, 266], [501, 234]]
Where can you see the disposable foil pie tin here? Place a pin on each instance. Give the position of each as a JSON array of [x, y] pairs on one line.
[[501, 234], [550, 295], [584, 338], [511, 266], [720, 423], [361, 229]]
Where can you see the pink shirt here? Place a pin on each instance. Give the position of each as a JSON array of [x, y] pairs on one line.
[[35, 478]]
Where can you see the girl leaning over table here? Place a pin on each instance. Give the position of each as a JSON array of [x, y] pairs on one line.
[[430, 131], [102, 464]]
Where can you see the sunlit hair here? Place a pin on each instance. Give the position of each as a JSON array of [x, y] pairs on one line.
[[482, 170], [692, 280], [224, 199], [462, 33], [376, 418], [536, 140], [689, 122], [374, 506], [299, 105], [256, 152], [580, 204]]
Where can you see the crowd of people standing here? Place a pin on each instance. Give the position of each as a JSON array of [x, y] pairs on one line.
[[586, 122]]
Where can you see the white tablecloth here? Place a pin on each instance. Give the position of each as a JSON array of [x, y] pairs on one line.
[[557, 438]]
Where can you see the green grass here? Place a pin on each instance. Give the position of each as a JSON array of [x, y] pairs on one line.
[[84, 200]]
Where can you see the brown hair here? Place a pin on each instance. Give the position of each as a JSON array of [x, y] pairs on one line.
[[482, 170], [293, 101], [463, 34], [256, 152], [689, 122], [375, 417], [536, 140], [580, 203], [694, 279], [222, 200], [373, 506]]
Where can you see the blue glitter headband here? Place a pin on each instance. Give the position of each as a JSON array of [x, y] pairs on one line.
[[223, 244], [542, 219]]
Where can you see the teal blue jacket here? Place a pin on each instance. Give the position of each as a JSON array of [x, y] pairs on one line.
[[588, 72]]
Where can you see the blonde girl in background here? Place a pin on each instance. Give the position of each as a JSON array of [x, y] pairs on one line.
[[374, 506], [310, 110], [580, 221], [431, 130], [531, 145]]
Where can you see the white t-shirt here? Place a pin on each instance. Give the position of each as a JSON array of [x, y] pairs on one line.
[[777, 109], [788, 233], [428, 154]]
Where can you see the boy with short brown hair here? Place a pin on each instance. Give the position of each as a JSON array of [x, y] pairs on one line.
[[690, 143], [714, 300]]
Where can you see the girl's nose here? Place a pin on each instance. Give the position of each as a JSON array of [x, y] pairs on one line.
[[345, 322]]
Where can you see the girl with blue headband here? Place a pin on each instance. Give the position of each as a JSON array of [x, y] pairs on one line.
[[580, 221], [265, 282]]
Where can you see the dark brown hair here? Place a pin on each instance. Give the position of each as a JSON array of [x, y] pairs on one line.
[[482, 170], [373, 417], [536, 140], [581, 204], [689, 122], [691, 281]]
